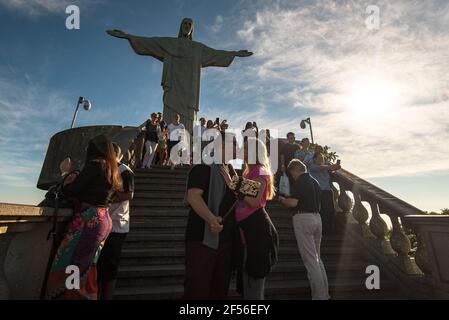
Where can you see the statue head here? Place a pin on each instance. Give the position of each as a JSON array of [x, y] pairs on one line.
[[186, 29]]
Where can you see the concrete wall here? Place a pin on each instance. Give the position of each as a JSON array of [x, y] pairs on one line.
[[26, 261], [73, 143], [24, 249]]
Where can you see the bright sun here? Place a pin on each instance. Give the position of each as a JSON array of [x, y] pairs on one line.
[[370, 97]]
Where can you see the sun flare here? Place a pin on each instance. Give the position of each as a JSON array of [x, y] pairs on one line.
[[372, 97]]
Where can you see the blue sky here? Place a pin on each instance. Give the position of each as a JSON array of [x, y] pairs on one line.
[[380, 98]]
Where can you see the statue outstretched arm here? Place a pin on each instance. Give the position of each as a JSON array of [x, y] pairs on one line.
[[152, 46], [243, 53], [118, 34], [220, 58]]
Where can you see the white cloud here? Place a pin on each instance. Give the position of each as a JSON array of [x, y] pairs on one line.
[[39, 7], [218, 24], [318, 58], [26, 130]]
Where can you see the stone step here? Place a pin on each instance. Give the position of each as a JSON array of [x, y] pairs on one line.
[[139, 222], [141, 271], [163, 169], [325, 241], [146, 213], [144, 187], [158, 275], [176, 208], [146, 239], [181, 228], [139, 181], [139, 219], [150, 212], [177, 201], [161, 173], [160, 195], [141, 213], [155, 203], [150, 256], [341, 288], [170, 260]]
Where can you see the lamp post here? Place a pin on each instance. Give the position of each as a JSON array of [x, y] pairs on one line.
[[86, 105], [303, 126]]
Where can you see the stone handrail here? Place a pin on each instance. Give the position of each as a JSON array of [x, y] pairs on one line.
[[392, 247]]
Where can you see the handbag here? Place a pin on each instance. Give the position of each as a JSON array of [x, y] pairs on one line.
[[284, 186]]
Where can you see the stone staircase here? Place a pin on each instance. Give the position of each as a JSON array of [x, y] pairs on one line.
[[152, 264]]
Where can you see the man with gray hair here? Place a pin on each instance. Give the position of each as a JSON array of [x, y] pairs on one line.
[[305, 200]]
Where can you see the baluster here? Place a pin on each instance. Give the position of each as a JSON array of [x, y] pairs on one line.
[[379, 228], [341, 217], [129, 158], [422, 256], [335, 194], [401, 244], [361, 215]]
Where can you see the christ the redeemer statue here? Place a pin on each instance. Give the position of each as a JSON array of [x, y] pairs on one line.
[[183, 59]]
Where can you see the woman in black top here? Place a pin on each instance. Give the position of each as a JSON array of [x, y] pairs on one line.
[[93, 188]]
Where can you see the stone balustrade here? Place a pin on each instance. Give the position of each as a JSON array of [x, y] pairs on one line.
[[427, 270]]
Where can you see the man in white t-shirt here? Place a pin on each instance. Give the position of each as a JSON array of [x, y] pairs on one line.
[[109, 260]]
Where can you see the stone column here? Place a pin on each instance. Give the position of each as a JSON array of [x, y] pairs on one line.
[[379, 228], [345, 203], [401, 244], [361, 216], [422, 256]]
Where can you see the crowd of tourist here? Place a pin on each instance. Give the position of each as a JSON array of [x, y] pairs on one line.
[[228, 226]]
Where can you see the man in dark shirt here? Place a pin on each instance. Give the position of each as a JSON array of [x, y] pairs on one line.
[[208, 268], [305, 201], [288, 151]]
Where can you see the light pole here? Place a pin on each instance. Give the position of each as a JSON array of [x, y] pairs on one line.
[[86, 105], [303, 126]]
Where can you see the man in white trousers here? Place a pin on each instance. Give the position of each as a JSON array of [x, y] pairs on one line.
[[305, 200]]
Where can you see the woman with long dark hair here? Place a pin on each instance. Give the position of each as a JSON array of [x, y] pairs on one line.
[[93, 189]]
